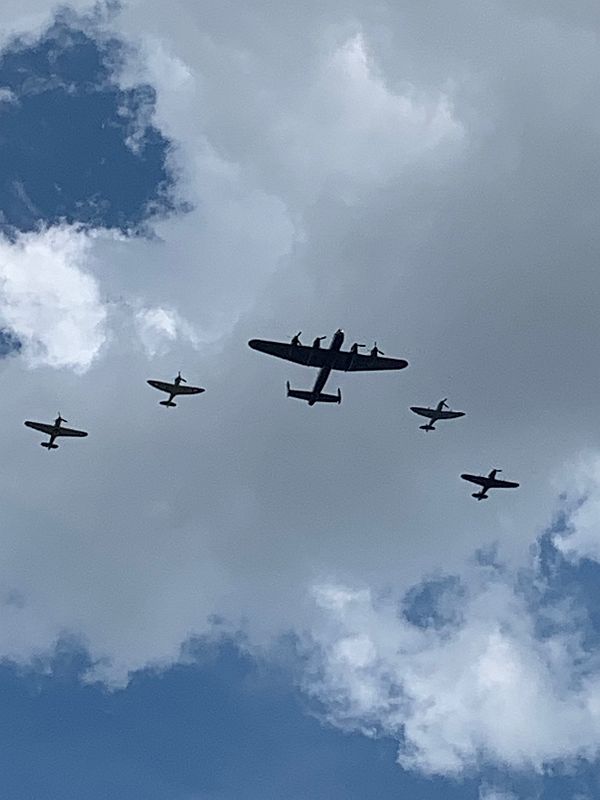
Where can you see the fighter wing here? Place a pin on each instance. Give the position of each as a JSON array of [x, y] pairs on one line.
[[324, 357], [498, 484], [70, 432], [40, 426], [186, 389], [478, 479], [450, 414], [162, 386], [424, 412]]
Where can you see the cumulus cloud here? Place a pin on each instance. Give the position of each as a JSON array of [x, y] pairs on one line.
[[49, 300], [581, 538], [349, 129], [406, 181], [487, 792], [489, 689], [158, 328]]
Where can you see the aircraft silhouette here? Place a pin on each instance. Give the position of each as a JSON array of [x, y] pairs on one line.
[[435, 414], [174, 389], [488, 482], [326, 360], [54, 430]]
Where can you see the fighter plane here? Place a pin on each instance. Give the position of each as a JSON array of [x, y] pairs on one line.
[[488, 482], [173, 389], [53, 430], [326, 359], [435, 414]]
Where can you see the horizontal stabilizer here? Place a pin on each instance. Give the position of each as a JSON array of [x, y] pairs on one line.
[[311, 398]]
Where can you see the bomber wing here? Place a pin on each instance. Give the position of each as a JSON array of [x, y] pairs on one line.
[[324, 357], [40, 426]]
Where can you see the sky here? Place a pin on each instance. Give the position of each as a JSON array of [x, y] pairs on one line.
[[245, 596]]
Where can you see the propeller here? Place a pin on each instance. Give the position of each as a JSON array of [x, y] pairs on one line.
[[182, 380], [60, 419]]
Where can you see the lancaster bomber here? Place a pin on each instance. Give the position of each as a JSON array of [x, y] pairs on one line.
[[326, 359], [53, 430], [488, 482], [173, 389], [435, 414]]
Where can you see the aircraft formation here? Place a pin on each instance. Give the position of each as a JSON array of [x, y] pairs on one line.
[[325, 360]]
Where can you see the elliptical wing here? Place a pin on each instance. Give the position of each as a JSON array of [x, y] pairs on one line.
[[162, 386], [423, 412], [187, 389]]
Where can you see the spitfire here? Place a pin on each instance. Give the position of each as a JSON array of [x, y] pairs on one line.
[[435, 414], [174, 389]]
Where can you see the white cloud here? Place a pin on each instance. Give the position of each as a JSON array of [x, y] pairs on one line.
[[582, 536], [159, 328], [49, 300], [348, 129], [323, 168], [7, 96], [486, 690], [487, 792]]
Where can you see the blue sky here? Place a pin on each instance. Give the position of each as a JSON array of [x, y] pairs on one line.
[[241, 599], [224, 728], [65, 154]]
